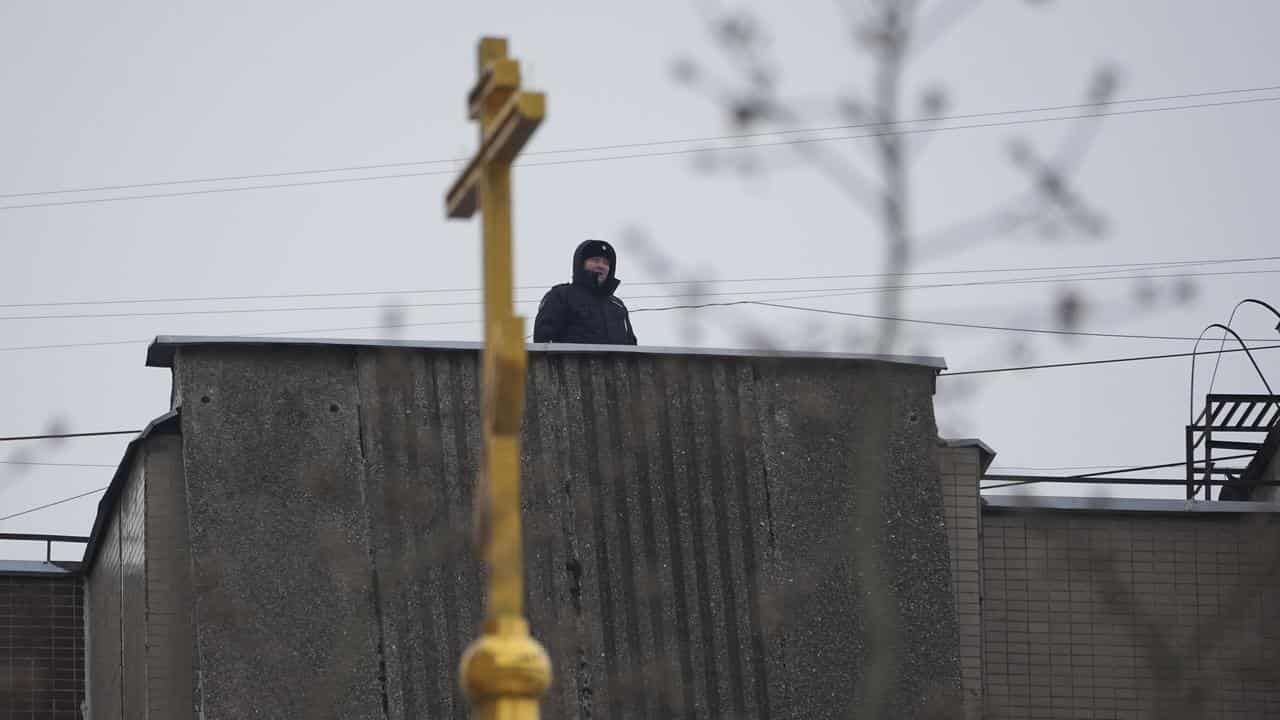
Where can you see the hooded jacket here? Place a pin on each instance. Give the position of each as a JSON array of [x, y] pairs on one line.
[[583, 311]]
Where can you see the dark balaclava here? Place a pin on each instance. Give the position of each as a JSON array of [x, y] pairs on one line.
[[595, 248]]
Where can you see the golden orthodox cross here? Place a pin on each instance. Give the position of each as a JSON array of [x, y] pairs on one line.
[[505, 672]]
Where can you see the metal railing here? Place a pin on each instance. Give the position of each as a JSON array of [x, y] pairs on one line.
[[1230, 422], [1003, 480], [48, 540]]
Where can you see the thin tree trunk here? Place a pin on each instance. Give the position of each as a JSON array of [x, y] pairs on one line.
[[893, 216]]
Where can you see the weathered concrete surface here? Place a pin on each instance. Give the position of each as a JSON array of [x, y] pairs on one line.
[[285, 617], [706, 536]]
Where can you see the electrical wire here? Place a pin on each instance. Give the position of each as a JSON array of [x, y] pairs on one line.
[[705, 281], [649, 143], [38, 508], [1107, 361], [697, 306], [942, 323], [141, 341], [61, 436], [1100, 475], [1247, 301], [809, 293], [1056, 468], [54, 464], [665, 153], [1191, 389]]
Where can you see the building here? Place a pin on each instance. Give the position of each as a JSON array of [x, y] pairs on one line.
[[1114, 608], [41, 635], [708, 534]]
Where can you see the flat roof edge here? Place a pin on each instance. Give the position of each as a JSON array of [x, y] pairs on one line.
[[1045, 503], [161, 351], [36, 568], [985, 453]]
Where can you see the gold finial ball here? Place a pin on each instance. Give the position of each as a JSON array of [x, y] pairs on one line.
[[505, 662]]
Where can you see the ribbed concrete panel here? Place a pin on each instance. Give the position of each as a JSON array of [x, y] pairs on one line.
[[706, 536], [419, 465], [690, 530]]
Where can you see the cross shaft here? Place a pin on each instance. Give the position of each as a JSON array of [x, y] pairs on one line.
[[505, 671]]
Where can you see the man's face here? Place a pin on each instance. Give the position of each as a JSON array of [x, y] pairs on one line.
[[598, 266]]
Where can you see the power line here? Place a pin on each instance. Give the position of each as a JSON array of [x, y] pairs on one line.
[[1161, 466], [665, 308], [648, 143], [665, 153], [822, 293], [976, 326], [1100, 475], [54, 464], [1107, 361], [37, 508], [60, 436], [141, 341], [894, 318], [1114, 466], [706, 281]]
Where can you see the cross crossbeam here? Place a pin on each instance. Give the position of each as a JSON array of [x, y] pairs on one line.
[[513, 127]]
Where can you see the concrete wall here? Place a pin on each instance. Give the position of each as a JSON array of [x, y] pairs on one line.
[[139, 638], [706, 536], [41, 646], [1095, 614]]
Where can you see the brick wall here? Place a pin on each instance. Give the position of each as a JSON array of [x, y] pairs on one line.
[[961, 466], [1095, 614], [41, 647]]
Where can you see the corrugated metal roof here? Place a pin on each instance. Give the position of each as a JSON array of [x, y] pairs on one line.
[[162, 349]]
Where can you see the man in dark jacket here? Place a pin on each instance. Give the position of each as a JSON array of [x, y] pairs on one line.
[[585, 310]]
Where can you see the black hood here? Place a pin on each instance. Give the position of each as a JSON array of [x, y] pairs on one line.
[[595, 248]]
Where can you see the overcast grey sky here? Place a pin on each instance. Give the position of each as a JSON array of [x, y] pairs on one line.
[[105, 94]]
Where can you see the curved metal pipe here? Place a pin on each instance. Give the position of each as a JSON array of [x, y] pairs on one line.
[[1191, 399], [1247, 301]]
